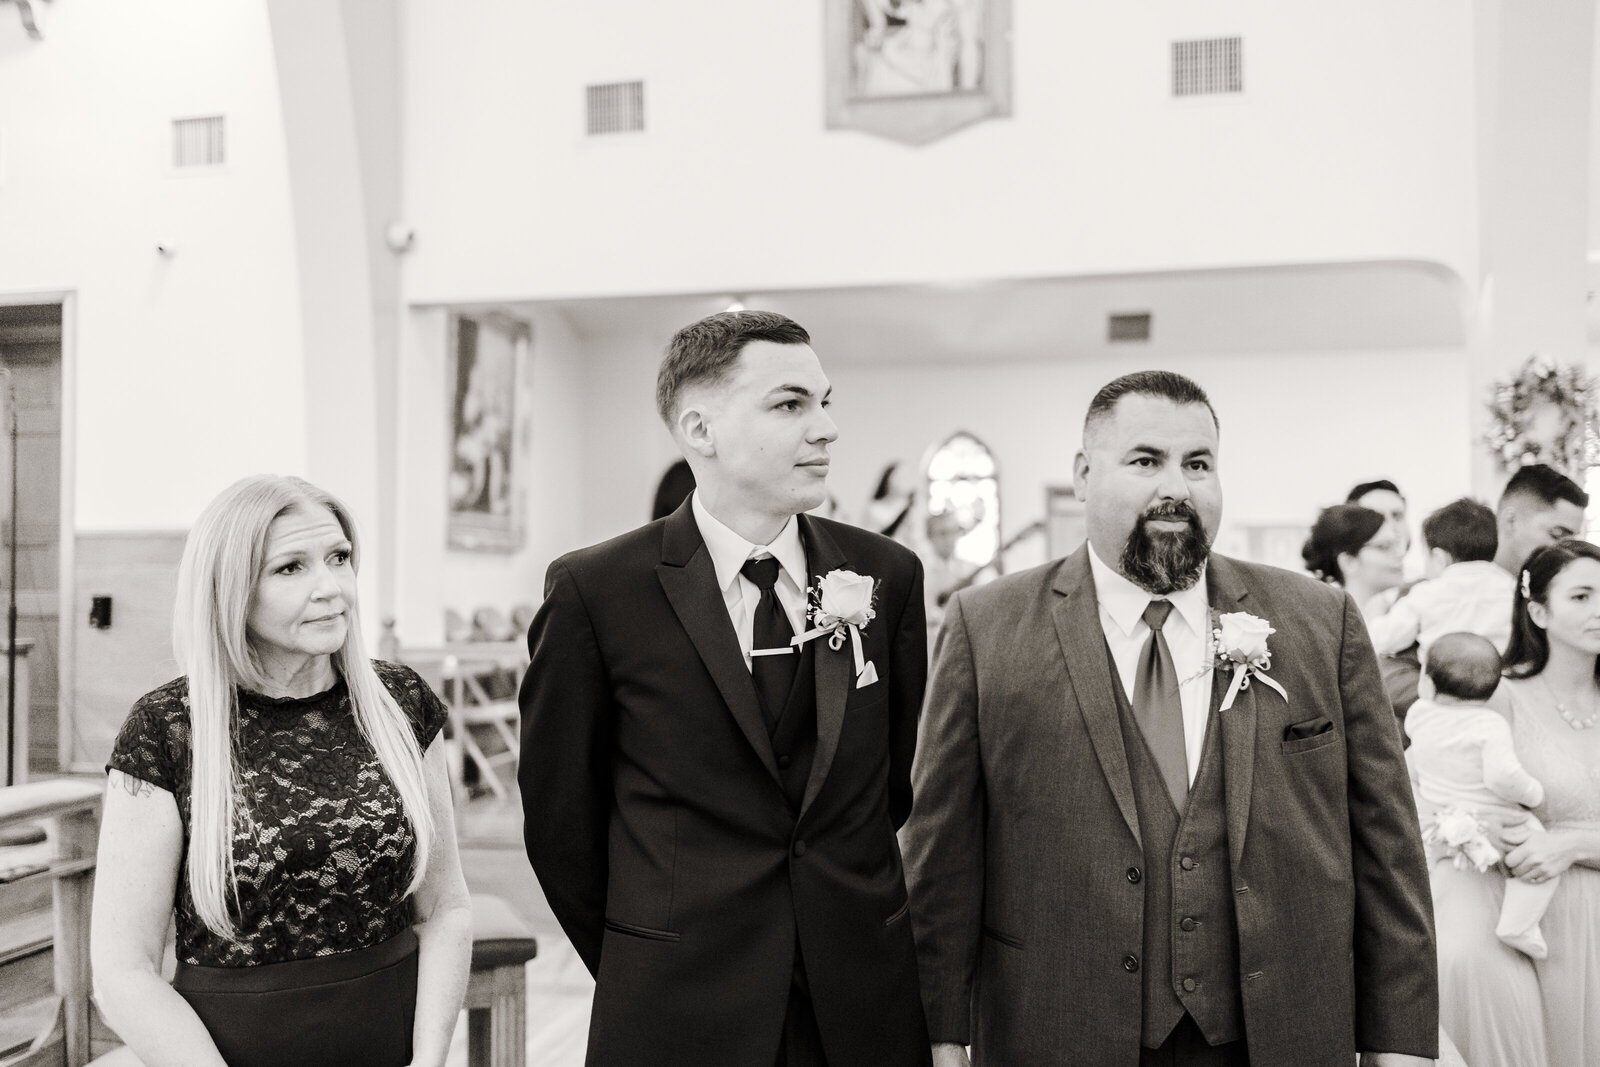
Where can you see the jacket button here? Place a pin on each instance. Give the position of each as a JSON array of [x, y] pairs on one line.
[[1134, 875], [1130, 963], [1187, 863], [1189, 985], [799, 848], [783, 761], [1188, 923]]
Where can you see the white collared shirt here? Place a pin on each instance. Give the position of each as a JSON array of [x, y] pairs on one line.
[[740, 595], [1187, 631]]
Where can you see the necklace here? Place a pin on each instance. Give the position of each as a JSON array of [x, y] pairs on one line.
[[1568, 717]]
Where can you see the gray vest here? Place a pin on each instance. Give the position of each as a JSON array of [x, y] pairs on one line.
[[1191, 937]]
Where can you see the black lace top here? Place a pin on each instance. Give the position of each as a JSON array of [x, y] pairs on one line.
[[322, 850]]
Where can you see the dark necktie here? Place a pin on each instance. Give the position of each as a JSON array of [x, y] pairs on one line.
[[774, 675], [1157, 707]]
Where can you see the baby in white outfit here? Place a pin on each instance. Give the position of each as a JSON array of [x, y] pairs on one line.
[[1461, 757]]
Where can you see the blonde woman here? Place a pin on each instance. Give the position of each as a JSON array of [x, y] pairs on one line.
[[285, 798]]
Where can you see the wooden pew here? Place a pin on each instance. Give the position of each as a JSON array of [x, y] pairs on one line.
[[53, 955]]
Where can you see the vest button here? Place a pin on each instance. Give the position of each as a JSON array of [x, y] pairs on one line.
[[799, 848], [1189, 985], [1130, 963], [1188, 923], [1187, 863], [783, 761], [1134, 875]]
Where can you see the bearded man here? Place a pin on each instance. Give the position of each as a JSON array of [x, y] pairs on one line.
[[1162, 815]]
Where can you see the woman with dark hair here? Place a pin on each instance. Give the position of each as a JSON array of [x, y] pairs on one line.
[[1358, 549], [1501, 1008], [1552, 697]]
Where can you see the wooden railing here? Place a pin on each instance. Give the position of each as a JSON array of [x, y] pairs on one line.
[[71, 807]]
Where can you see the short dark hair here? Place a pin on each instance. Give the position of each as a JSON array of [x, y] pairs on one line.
[[1341, 529], [1463, 528], [1543, 483], [1465, 666], [1364, 488], [1158, 383], [705, 351]]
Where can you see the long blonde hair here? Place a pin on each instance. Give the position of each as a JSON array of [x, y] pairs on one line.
[[222, 559]]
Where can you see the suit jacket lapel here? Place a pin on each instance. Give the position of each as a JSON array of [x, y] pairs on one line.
[[690, 582], [1226, 593], [833, 668], [1077, 617]]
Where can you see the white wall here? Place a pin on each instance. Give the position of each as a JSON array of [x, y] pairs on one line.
[[188, 370], [1354, 141], [1298, 430]]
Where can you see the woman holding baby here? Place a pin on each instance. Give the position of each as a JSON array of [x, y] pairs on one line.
[[1503, 1005]]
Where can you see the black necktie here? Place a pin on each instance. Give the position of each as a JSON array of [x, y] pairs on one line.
[[774, 675], [1157, 707]]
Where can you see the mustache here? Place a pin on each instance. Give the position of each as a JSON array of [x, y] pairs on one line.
[[1172, 511]]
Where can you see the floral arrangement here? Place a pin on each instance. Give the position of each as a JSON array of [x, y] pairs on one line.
[[1545, 414], [1463, 837]]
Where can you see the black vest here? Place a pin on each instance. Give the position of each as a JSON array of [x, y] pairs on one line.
[[794, 738], [1191, 936]]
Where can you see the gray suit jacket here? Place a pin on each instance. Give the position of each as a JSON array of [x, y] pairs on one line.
[[1024, 830]]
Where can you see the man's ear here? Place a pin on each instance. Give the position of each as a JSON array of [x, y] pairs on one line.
[[1505, 523], [695, 430], [1080, 475]]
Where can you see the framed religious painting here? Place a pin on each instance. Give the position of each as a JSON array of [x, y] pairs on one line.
[[488, 376], [916, 70]]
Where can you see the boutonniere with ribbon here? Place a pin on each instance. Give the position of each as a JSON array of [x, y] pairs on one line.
[[840, 608], [1239, 641]]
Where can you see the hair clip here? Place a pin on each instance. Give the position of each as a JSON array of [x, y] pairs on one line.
[[1527, 585]]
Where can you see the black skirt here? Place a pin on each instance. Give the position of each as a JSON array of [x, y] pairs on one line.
[[353, 1008]]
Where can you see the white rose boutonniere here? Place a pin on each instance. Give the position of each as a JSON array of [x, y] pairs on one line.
[[1240, 641], [840, 608]]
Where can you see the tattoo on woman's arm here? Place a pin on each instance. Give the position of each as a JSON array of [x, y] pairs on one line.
[[136, 787]]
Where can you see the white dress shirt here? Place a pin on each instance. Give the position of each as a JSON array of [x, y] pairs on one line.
[[729, 552], [1188, 633]]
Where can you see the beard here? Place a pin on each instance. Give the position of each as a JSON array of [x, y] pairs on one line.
[[1160, 561]]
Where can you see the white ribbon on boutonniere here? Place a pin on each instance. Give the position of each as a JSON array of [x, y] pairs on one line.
[[840, 608], [1239, 644]]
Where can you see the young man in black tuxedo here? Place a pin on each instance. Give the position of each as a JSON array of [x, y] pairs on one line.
[[711, 808]]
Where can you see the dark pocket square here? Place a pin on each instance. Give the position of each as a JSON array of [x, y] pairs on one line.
[[1299, 731]]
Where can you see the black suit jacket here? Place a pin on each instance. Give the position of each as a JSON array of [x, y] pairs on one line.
[[658, 827]]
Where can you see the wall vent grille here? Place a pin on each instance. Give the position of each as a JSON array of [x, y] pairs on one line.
[[198, 142], [1203, 68], [1129, 327], [615, 108]]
